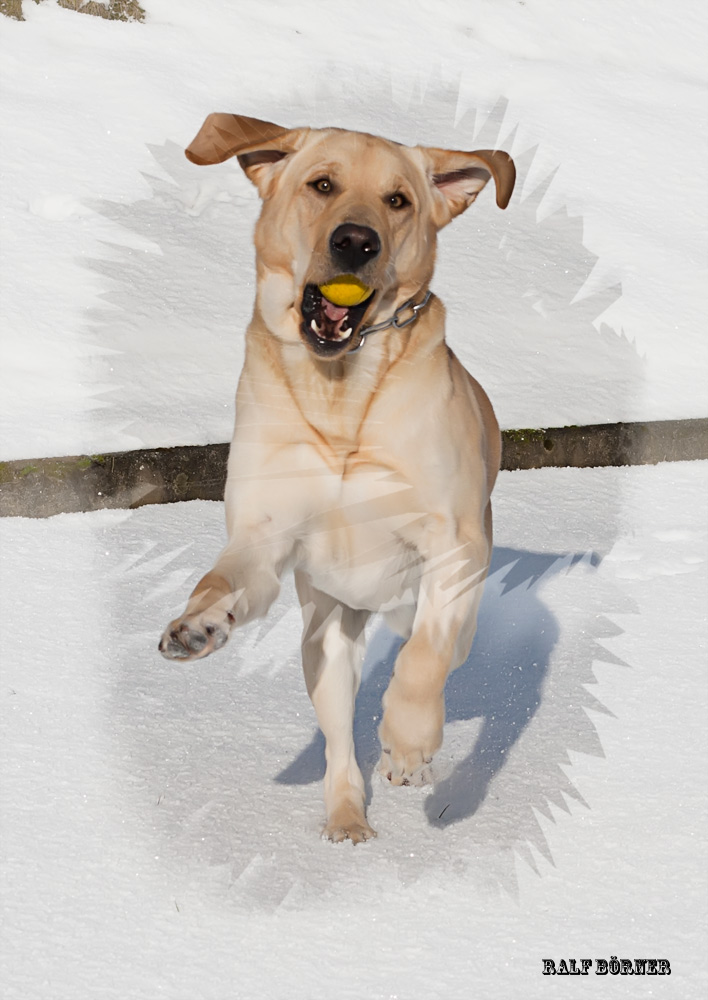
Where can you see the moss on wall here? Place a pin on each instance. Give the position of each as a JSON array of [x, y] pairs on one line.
[[114, 10]]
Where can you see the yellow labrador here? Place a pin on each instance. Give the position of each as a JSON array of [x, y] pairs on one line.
[[363, 455]]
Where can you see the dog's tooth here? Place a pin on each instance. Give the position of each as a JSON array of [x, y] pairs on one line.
[[346, 334], [317, 329]]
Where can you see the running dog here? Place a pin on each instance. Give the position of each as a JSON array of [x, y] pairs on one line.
[[363, 455]]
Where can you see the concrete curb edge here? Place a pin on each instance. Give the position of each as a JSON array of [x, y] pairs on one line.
[[128, 479]]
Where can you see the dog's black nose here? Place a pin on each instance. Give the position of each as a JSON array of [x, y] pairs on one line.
[[353, 246]]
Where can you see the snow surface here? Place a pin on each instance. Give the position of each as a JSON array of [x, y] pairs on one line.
[[160, 821], [127, 273]]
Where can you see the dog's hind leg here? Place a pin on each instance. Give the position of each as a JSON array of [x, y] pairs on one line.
[[332, 656]]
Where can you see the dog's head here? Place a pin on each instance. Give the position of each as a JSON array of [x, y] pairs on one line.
[[345, 211]]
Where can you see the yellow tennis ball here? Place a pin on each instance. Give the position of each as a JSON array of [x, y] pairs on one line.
[[346, 290]]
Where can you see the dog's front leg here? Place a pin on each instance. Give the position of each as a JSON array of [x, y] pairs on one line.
[[443, 629], [332, 655], [242, 585]]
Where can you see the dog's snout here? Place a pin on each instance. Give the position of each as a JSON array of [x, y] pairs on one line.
[[354, 246]]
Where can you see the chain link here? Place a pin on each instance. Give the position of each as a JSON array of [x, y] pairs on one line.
[[395, 320]]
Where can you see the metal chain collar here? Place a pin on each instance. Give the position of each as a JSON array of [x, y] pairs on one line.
[[395, 320]]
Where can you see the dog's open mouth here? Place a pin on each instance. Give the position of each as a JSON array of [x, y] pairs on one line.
[[327, 327]]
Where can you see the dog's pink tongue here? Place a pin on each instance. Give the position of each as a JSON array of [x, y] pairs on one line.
[[335, 313]]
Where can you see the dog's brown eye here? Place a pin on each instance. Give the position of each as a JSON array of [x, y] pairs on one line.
[[322, 184], [397, 200]]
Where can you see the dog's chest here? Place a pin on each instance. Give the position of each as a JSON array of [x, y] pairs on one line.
[[362, 550]]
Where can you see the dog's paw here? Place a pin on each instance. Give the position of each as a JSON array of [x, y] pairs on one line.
[[409, 769], [194, 636], [358, 833], [347, 822]]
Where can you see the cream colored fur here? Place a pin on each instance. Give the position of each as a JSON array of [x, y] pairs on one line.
[[369, 473]]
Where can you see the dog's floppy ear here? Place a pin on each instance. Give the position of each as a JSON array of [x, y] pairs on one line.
[[257, 144], [459, 177]]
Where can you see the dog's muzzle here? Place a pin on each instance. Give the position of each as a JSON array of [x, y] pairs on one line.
[[329, 328]]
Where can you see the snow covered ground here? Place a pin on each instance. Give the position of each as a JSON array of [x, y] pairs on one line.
[[127, 273], [160, 821]]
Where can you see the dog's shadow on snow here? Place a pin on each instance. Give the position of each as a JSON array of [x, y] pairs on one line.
[[501, 684]]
